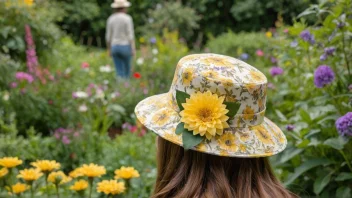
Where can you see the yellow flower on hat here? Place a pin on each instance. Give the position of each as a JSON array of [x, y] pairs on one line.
[[46, 165], [217, 61], [3, 172], [228, 142], [173, 137], [58, 177], [187, 76], [93, 170], [111, 187], [79, 185], [263, 135], [248, 113], [161, 117], [10, 162], [210, 74], [227, 83], [30, 174], [76, 173], [257, 76], [19, 188], [126, 173], [205, 114]]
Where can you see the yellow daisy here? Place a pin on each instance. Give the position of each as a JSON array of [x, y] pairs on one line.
[[227, 142], [205, 114], [227, 83], [58, 177], [251, 87], [76, 173], [244, 136], [79, 185], [187, 76], [28, 2], [111, 187], [248, 113], [10, 162], [210, 74], [3, 172], [161, 117], [216, 61], [126, 173], [263, 135], [30, 174], [19, 188], [257, 76], [93, 170], [46, 165]]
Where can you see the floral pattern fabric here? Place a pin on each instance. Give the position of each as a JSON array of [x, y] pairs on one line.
[[250, 133]]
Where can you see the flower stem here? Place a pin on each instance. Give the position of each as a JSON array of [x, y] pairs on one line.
[[90, 180], [344, 156], [345, 55], [32, 191], [57, 190], [46, 184]]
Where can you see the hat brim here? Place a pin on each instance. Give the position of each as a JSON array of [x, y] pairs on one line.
[[158, 114], [125, 5]]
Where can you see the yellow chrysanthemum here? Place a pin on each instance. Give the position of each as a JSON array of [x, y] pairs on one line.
[[76, 173], [10, 162], [79, 185], [58, 177], [93, 170], [3, 172], [268, 34], [19, 188], [46, 165], [30, 174], [227, 142], [126, 173], [187, 76], [263, 135], [111, 187], [248, 113], [205, 114], [217, 61]]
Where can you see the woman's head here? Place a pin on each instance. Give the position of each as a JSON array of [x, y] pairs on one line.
[[123, 9], [183, 174]]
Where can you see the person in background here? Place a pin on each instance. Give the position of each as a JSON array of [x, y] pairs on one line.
[[120, 38]]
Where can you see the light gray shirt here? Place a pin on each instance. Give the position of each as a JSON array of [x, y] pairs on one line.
[[119, 29]]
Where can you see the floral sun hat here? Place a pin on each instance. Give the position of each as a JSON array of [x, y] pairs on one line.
[[216, 105], [120, 4]]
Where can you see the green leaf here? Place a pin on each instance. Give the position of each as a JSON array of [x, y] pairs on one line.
[[181, 98], [232, 107], [290, 153], [336, 143], [343, 192], [321, 182], [180, 128], [307, 165], [281, 116], [344, 176], [305, 116], [189, 140], [303, 144]]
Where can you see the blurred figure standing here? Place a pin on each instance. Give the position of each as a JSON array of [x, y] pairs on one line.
[[120, 38]]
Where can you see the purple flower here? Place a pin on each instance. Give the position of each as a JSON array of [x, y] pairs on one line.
[[340, 25], [290, 127], [350, 87], [13, 85], [307, 36], [273, 59], [323, 57], [244, 56], [275, 71], [271, 85], [65, 140], [323, 75], [24, 76], [152, 40], [329, 50], [32, 60], [294, 43], [344, 124]]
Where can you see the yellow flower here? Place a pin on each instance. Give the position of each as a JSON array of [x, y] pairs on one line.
[[142, 40], [227, 83], [46, 165], [28, 2], [217, 61], [30, 174], [58, 177], [257, 76], [76, 173], [111, 187], [248, 113], [10, 162], [19, 188], [244, 136], [210, 74], [93, 170], [263, 135], [251, 87], [228, 142], [269, 34], [205, 114], [187, 76], [126, 173], [173, 137], [201, 147], [3, 172], [79, 185], [161, 117]]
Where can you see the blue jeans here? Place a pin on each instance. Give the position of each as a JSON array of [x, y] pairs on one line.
[[121, 55]]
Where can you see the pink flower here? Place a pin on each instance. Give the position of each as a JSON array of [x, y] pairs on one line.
[[133, 129], [65, 140], [32, 59], [143, 132], [13, 85], [286, 31], [84, 65], [145, 91], [259, 53], [24, 76]]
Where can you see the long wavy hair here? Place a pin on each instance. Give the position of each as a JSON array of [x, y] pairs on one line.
[[191, 174]]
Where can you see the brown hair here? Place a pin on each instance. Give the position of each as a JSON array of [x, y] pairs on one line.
[[191, 174]]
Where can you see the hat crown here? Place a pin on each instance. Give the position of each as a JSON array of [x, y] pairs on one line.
[[225, 76]]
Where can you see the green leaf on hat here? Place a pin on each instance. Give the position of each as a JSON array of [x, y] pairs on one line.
[[181, 98], [180, 128], [189, 140], [232, 107]]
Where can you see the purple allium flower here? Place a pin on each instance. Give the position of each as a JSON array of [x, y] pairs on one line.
[[294, 43], [273, 59], [323, 75], [329, 50], [24, 76], [275, 71], [307, 36], [323, 57], [152, 40], [290, 127], [244, 56], [344, 124], [32, 60]]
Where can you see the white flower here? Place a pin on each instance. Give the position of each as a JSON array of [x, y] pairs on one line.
[[140, 61], [83, 108], [155, 51], [68, 70], [81, 94], [100, 94], [6, 96], [105, 69], [106, 82], [155, 60]]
